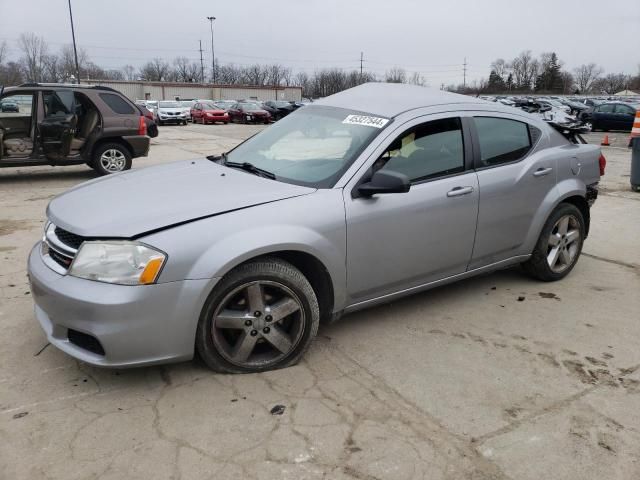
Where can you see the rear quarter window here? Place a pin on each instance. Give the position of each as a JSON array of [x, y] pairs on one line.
[[117, 104], [502, 140]]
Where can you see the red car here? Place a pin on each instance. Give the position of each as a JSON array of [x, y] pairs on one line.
[[247, 112], [208, 113]]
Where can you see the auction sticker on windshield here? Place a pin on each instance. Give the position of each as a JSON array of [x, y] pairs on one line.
[[365, 120]]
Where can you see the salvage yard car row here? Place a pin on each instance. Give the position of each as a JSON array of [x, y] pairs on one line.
[[218, 111]]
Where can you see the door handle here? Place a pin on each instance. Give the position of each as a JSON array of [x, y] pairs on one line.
[[541, 172], [459, 191]]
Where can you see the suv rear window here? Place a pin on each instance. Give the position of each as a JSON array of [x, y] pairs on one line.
[[117, 104]]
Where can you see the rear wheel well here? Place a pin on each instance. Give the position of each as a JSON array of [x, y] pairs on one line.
[[317, 274], [117, 140], [583, 206]]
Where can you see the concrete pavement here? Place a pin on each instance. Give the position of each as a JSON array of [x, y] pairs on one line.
[[496, 377]]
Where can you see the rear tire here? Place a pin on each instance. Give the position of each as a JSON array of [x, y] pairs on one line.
[[559, 245], [111, 158], [254, 307]]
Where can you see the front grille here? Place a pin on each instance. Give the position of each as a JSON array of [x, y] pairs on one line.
[[85, 341], [71, 239], [59, 248], [62, 260]]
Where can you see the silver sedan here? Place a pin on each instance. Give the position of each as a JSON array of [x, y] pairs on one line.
[[371, 194]]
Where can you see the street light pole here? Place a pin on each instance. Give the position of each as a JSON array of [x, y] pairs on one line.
[[213, 56], [75, 50]]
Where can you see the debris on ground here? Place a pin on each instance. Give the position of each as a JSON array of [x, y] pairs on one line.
[[278, 410]]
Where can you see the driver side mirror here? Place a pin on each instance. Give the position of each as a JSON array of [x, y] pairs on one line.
[[385, 181]]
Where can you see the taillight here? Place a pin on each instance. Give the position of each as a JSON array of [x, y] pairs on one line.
[[603, 163], [142, 126]]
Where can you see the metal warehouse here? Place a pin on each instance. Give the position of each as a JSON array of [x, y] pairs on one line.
[[170, 91]]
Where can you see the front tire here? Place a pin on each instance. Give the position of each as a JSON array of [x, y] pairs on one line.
[[559, 246], [111, 158], [262, 316]]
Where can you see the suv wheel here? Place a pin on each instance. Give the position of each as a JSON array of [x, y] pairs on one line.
[[111, 158], [261, 316], [559, 245]]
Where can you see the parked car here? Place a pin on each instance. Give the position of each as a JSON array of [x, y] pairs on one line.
[[152, 127], [76, 124], [224, 104], [204, 112], [555, 104], [172, 112], [281, 108], [328, 211], [248, 112], [7, 106], [187, 105], [612, 116]]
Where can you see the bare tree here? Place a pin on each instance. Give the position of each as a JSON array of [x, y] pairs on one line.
[[585, 75], [614, 82], [499, 66], [229, 74], [3, 51], [525, 69], [156, 70], [396, 75], [186, 70], [276, 74], [129, 72], [255, 74], [417, 79], [34, 51]]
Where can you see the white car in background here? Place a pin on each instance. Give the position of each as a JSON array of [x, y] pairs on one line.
[[171, 111]]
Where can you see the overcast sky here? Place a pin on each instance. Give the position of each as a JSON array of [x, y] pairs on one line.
[[430, 37]]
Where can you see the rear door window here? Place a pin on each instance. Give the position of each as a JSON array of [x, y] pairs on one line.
[[117, 104], [502, 140], [16, 105], [625, 109]]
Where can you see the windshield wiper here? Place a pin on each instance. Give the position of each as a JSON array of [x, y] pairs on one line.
[[249, 167]]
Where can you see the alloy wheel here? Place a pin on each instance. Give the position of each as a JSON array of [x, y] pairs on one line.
[[113, 160], [258, 324], [564, 243]]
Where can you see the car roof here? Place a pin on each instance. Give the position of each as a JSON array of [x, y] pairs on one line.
[[392, 99], [48, 86]]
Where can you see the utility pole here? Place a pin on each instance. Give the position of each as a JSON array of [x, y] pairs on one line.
[[201, 63], [361, 60], [73, 36], [464, 69], [213, 56]]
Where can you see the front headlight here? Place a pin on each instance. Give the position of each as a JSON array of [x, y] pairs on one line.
[[119, 262]]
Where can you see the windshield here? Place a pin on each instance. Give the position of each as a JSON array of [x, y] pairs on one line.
[[169, 105], [210, 106], [311, 147], [249, 106], [282, 104]]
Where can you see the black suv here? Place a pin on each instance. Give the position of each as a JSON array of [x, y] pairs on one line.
[[58, 124]]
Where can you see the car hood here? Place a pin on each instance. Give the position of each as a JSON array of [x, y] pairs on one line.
[[171, 110], [129, 204]]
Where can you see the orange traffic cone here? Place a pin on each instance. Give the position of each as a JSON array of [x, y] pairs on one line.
[[605, 141], [635, 130]]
